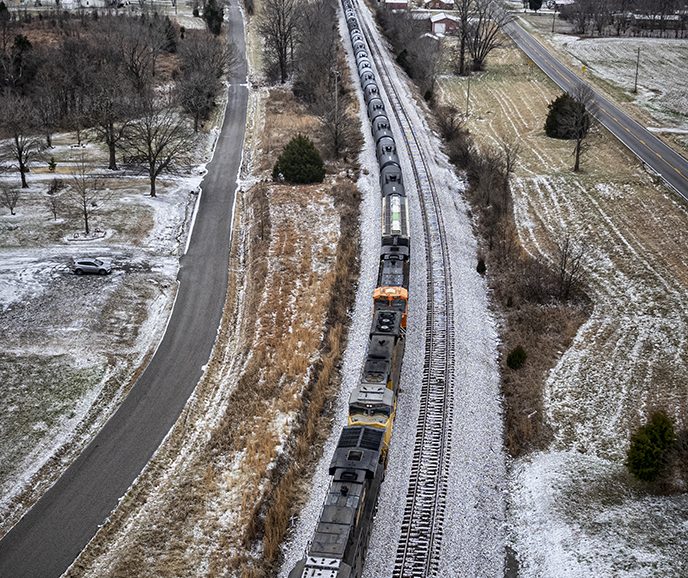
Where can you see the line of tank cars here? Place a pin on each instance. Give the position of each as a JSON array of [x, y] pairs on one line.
[[338, 547]]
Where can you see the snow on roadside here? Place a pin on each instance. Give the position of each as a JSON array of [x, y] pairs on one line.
[[58, 330]]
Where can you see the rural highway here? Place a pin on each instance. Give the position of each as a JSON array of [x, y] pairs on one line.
[[664, 160], [45, 542]]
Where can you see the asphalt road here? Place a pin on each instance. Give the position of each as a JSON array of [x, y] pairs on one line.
[[46, 541], [645, 145]]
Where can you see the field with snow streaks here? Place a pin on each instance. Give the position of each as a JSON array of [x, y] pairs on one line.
[[626, 360]]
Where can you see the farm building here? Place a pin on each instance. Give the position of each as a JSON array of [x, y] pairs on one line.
[[443, 24]]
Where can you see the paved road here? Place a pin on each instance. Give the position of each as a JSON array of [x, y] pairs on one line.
[[646, 146], [52, 534]]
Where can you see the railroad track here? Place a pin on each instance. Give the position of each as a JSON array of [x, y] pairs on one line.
[[418, 549]]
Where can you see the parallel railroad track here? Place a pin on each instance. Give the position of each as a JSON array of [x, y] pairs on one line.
[[418, 549]]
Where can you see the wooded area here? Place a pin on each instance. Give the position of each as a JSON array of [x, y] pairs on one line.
[[126, 80]]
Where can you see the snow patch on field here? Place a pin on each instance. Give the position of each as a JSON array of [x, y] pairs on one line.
[[578, 516]]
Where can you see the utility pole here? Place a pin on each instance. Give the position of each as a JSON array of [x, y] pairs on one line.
[[554, 16], [637, 67]]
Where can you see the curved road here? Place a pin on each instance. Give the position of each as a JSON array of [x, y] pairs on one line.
[[664, 160], [45, 542]]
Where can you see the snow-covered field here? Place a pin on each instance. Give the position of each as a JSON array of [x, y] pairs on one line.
[[71, 344], [474, 538], [573, 509]]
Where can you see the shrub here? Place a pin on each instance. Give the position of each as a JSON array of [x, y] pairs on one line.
[[481, 268], [300, 162], [516, 358], [650, 449], [213, 14], [561, 119]]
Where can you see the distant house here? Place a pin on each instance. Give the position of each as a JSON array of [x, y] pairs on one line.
[[442, 24], [396, 4], [439, 5]]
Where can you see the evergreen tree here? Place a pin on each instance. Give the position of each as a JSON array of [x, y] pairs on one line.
[[566, 118], [300, 162], [535, 4], [213, 14], [650, 448]]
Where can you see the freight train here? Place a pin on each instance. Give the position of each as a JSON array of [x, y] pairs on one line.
[[340, 542]]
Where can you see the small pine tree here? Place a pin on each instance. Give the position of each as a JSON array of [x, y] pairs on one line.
[[535, 4], [516, 358], [648, 454], [300, 162], [559, 122], [481, 268], [213, 14]]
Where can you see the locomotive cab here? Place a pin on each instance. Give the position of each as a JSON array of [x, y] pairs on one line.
[[373, 406], [339, 543], [394, 267]]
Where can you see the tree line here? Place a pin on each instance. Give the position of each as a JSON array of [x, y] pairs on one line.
[[663, 18], [102, 74]]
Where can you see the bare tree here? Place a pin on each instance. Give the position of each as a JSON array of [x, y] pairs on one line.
[[570, 260], [17, 120], [160, 139], [578, 120], [112, 107], [449, 121], [316, 51], [7, 23], [46, 103], [484, 30], [510, 150], [54, 204], [9, 197], [463, 10], [138, 50], [339, 127], [86, 192], [277, 25], [204, 59]]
